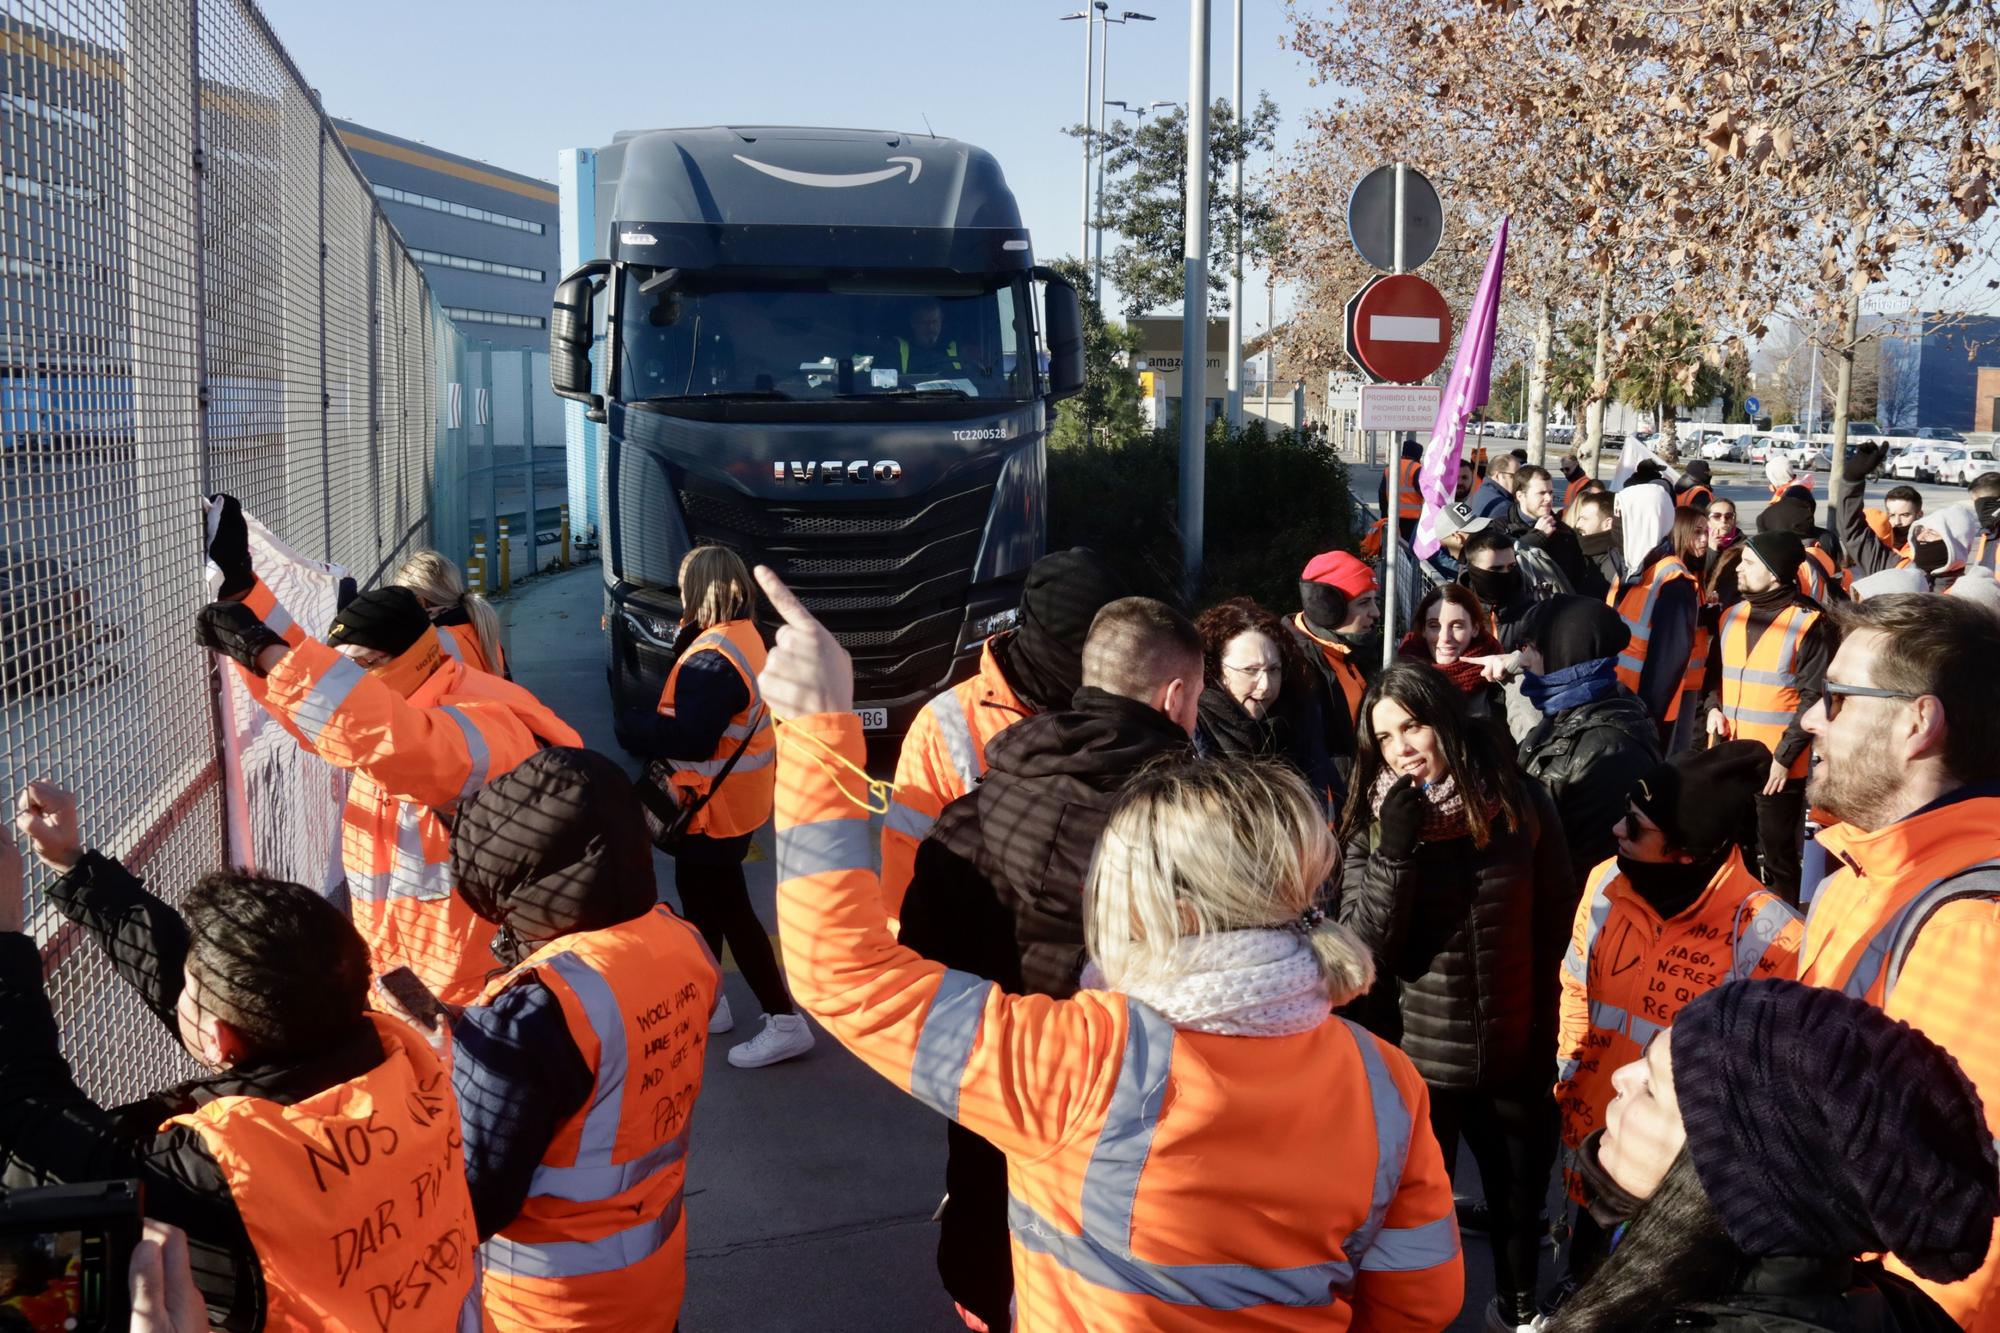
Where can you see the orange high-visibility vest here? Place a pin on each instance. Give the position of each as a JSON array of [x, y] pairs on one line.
[[1880, 930], [1353, 685], [1628, 972], [1635, 604], [355, 1199], [743, 802], [1371, 540], [1154, 1173], [1760, 692], [943, 758], [461, 643], [1697, 671], [1409, 499], [1478, 459], [1574, 489], [411, 758], [1694, 497], [599, 1243]]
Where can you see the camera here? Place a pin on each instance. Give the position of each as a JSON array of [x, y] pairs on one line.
[[66, 1255]]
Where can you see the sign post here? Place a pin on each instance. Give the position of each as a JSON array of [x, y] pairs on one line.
[[1398, 328]]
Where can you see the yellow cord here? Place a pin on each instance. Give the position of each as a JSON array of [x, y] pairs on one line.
[[875, 802]]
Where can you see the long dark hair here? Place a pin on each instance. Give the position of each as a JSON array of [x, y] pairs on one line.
[[1690, 523], [1460, 596], [1472, 752], [1674, 1254]]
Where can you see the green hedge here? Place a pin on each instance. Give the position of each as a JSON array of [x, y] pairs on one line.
[[1274, 500]]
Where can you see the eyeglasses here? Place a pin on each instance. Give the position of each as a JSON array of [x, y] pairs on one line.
[[1254, 672], [1833, 694]]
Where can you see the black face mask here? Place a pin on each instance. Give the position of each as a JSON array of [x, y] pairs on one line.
[[1495, 587], [1988, 510], [1929, 554], [1670, 887], [1899, 533]]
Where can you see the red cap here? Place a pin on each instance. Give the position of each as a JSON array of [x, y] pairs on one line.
[[1338, 569]]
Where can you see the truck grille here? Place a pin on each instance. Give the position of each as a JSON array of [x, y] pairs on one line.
[[887, 576]]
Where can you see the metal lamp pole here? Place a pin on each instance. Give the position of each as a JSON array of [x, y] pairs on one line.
[[1089, 98], [1103, 87], [1235, 377], [1194, 302]]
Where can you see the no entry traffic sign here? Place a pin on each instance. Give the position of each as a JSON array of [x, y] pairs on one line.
[[1399, 328]]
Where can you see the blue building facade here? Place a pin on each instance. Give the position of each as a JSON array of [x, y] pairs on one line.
[[486, 237], [1941, 370]]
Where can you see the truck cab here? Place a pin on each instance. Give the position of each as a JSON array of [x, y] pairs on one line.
[[832, 352]]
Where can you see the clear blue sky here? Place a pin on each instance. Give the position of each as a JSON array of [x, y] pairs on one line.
[[511, 82]]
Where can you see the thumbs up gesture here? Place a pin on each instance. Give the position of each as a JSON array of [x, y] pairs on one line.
[[808, 671]]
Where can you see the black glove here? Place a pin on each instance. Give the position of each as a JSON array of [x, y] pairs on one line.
[[232, 629], [1402, 820], [344, 594], [1862, 459], [229, 548]]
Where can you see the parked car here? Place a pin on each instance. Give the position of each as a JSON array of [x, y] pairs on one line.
[[1923, 462], [1939, 433], [1969, 464], [1760, 447]]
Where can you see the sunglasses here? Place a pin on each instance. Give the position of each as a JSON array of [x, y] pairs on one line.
[[1833, 695]]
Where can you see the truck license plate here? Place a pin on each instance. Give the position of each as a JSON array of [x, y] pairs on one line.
[[874, 719]]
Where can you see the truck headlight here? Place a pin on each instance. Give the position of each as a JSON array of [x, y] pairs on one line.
[[984, 628], [655, 630]]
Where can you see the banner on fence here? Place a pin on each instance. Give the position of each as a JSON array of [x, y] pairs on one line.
[[283, 803]]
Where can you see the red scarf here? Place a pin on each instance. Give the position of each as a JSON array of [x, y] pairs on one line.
[[1469, 677]]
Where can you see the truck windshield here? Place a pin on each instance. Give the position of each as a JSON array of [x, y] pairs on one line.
[[690, 337]]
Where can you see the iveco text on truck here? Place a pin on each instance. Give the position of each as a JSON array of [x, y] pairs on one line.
[[819, 348]]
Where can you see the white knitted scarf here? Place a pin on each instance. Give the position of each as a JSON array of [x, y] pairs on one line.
[[1239, 983]]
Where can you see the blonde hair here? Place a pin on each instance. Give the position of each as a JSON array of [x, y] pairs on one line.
[[438, 582], [715, 586], [1212, 845]]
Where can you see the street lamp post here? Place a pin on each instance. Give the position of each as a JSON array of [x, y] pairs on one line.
[[1194, 303], [1103, 87], [1089, 97], [1235, 378]]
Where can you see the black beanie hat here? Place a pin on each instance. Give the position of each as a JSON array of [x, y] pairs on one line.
[[1792, 511], [1702, 799], [1570, 631], [1063, 593], [386, 619], [556, 844], [1781, 551], [1699, 471], [1821, 1127]]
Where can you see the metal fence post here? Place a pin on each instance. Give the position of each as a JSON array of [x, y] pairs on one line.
[[533, 525], [483, 394]]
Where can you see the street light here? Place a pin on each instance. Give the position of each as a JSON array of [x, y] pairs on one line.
[[1089, 94], [1103, 67], [1141, 111], [1194, 305]]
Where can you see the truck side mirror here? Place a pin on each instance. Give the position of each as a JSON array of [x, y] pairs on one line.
[[1064, 316], [570, 336]]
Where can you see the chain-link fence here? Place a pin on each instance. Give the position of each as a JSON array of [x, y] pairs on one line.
[[198, 294], [501, 429]]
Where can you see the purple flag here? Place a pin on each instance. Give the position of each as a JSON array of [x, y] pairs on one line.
[[1464, 393]]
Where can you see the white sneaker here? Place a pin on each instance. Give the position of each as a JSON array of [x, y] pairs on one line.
[[721, 1020], [785, 1037]]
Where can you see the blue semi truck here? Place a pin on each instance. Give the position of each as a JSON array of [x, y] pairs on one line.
[[831, 351]]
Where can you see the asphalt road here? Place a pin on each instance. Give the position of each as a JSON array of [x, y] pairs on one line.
[[811, 1184]]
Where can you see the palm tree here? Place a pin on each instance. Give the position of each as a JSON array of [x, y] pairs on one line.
[[1664, 366]]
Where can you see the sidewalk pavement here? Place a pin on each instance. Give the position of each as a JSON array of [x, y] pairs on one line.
[[811, 1184]]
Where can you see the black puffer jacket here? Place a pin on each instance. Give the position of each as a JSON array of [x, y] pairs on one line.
[[1819, 1296], [998, 884], [1588, 757], [1467, 942]]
